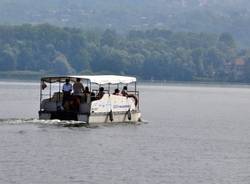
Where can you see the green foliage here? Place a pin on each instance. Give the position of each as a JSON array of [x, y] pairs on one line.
[[155, 54]]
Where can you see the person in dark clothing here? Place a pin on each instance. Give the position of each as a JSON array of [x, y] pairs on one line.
[[67, 89], [125, 91], [100, 93], [117, 92]]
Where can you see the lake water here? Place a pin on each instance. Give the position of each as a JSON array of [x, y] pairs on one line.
[[192, 134]]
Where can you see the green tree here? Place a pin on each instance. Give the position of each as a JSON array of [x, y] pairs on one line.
[[109, 38]]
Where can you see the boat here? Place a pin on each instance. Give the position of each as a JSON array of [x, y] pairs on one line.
[[86, 106]]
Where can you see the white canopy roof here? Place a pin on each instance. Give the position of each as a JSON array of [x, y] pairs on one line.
[[98, 79]]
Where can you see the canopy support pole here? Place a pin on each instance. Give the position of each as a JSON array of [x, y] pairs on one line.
[[50, 90], [41, 93]]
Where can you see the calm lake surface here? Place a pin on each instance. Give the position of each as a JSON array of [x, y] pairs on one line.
[[194, 134]]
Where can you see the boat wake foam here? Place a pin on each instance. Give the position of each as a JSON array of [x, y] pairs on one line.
[[42, 122], [60, 123]]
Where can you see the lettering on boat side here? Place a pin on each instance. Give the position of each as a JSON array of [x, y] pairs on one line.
[[121, 106]]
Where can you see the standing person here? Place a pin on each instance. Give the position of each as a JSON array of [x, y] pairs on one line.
[[78, 87], [78, 92], [67, 88]]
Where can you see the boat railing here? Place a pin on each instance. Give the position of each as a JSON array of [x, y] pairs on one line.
[[137, 95]]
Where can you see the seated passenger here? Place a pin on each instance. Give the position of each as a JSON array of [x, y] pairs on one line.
[[86, 93], [117, 92], [100, 93], [125, 91], [86, 90]]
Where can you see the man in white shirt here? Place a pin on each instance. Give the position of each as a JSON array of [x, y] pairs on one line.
[[67, 88]]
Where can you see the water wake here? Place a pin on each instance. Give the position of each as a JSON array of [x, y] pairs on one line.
[[60, 123], [65, 123]]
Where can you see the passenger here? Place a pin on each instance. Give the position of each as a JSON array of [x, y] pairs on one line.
[[117, 92], [86, 94], [43, 85], [125, 91], [86, 90], [67, 88], [100, 93], [78, 87], [78, 92]]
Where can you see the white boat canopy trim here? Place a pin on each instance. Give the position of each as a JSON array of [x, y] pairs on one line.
[[97, 79]]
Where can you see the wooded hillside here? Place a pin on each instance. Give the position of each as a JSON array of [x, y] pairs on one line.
[[151, 55]]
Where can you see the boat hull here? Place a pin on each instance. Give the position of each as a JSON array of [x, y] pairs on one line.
[[110, 117], [116, 117]]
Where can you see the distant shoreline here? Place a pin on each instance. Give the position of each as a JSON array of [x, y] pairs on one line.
[[21, 75], [195, 83]]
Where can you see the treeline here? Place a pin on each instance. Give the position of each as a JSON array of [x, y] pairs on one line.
[[213, 16], [151, 55]]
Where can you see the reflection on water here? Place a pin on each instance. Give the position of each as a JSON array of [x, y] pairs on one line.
[[194, 134]]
